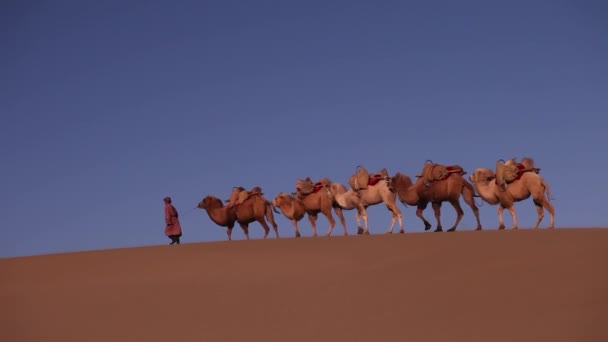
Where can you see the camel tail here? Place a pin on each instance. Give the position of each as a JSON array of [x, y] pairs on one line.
[[269, 215], [275, 209], [468, 187], [547, 191]]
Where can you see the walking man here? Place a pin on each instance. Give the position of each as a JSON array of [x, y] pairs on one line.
[[173, 229]]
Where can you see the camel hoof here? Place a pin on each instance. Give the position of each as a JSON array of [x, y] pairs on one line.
[[297, 235], [478, 228], [515, 228], [427, 226], [501, 227], [360, 231], [389, 232], [452, 229], [367, 232], [438, 230]]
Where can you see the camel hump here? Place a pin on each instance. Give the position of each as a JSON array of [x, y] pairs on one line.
[[506, 172], [528, 163], [234, 195], [359, 180], [305, 186], [256, 190], [324, 181], [383, 173], [240, 195], [433, 172]]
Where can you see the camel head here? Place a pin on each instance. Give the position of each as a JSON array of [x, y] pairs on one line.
[[481, 175], [281, 198], [209, 202]]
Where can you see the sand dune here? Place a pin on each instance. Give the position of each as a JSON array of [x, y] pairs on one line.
[[547, 285]]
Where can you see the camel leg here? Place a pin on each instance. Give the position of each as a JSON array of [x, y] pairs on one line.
[[365, 224], [540, 213], [360, 229], [295, 227], [229, 233], [340, 214], [544, 203], [393, 221], [437, 211], [470, 201], [245, 228], [501, 221], [265, 226], [419, 210], [270, 216], [363, 213], [459, 214], [551, 211], [313, 223], [513, 216], [331, 220], [396, 216]]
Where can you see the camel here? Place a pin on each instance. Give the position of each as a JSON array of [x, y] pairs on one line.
[[530, 184], [292, 208], [436, 192], [349, 200], [319, 201], [372, 195], [252, 208], [221, 215]]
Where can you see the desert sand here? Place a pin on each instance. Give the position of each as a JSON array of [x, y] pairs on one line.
[[525, 285]]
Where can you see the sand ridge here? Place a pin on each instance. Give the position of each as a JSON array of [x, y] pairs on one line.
[[526, 285]]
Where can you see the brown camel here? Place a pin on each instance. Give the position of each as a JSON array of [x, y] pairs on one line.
[[253, 208], [317, 201], [438, 191], [292, 208], [530, 184], [373, 194], [221, 215]]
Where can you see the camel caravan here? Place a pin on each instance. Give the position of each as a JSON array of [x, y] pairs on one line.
[[509, 182]]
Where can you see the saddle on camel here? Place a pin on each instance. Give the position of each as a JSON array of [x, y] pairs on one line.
[[432, 172], [240, 195], [510, 171], [307, 186], [361, 179]]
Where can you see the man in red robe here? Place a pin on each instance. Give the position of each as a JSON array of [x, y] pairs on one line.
[[172, 229]]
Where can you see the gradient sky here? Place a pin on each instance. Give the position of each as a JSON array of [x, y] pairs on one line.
[[109, 106]]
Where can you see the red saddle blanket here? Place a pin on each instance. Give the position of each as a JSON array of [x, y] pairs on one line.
[[374, 179]]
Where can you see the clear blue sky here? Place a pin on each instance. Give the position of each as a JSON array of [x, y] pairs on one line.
[[108, 106]]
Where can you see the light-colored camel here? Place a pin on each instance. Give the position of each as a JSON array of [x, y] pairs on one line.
[[372, 195], [290, 207], [530, 184], [319, 202], [254, 208], [438, 191], [349, 200], [221, 215]]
